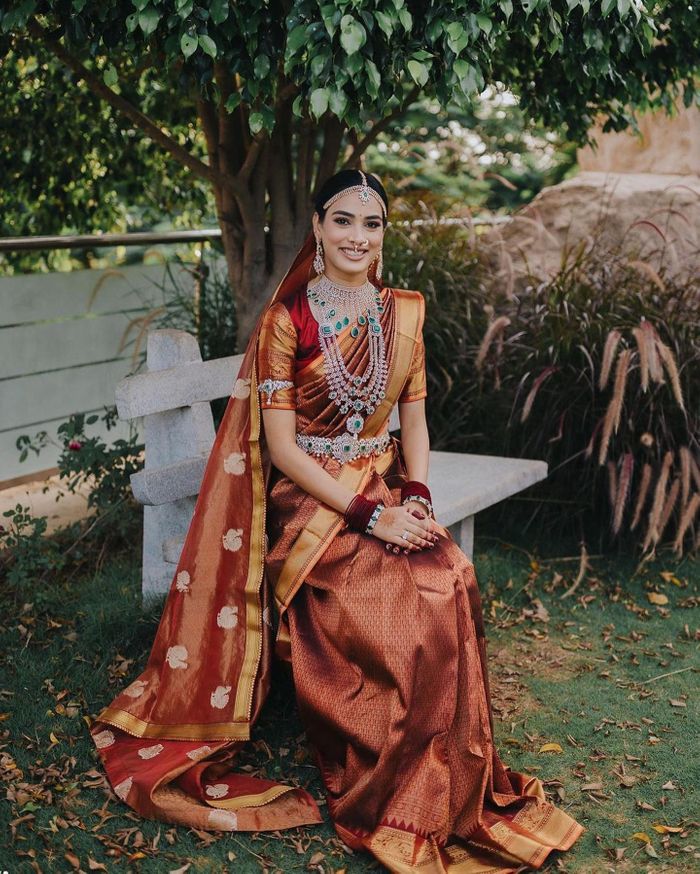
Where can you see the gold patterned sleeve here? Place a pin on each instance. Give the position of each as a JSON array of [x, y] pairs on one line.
[[416, 385], [277, 346]]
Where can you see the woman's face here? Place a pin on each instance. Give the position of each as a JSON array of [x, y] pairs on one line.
[[351, 233]]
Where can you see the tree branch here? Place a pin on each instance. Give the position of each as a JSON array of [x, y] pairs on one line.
[[361, 147], [98, 87]]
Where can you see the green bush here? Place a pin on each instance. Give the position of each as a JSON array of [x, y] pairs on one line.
[[36, 563], [596, 371]]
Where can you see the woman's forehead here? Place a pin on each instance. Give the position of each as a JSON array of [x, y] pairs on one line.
[[350, 204]]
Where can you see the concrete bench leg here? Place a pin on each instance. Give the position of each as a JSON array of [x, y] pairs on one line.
[[463, 534]]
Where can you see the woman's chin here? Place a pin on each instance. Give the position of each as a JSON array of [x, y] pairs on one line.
[[350, 269]]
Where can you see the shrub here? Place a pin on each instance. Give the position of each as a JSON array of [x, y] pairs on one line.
[[596, 371], [33, 560]]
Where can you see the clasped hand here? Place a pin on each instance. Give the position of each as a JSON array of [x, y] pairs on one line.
[[420, 530]]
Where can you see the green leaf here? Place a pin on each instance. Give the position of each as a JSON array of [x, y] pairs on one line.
[[319, 101], [352, 34], [110, 75], [458, 45], [255, 122], [184, 8], [606, 6], [373, 78], [385, 22], [188, 44], [484, 23], [337, 102], [507, 7], [208, 45], [298, 106], [330, 16], [148, 20], [623, 7], [218, 9], [467, 75], [233, 101], [132, 22], [261, 66], [418, 71], [296, 39], [405, 19]]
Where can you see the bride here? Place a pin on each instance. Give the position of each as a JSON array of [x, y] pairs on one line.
[[314, 538]]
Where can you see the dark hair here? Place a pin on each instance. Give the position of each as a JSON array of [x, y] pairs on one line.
[[346, 179]]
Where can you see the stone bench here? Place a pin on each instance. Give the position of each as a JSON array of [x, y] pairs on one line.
[[173, 398]]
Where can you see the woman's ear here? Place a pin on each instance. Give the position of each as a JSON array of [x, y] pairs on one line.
[[316, 224]]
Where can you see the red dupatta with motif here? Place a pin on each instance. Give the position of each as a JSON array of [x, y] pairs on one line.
[[168, 739]]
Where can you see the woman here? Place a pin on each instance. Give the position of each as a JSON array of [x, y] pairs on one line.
[[308, 501]]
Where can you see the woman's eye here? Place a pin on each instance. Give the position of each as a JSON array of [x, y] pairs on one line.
[[373, 225]]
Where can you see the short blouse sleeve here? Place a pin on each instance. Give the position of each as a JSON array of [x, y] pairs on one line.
[[416, 385], [277, 346]]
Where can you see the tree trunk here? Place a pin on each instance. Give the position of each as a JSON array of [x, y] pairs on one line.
[[258, 183]]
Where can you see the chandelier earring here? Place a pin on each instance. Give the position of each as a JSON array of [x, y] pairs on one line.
[[319, 264], [379, 266]]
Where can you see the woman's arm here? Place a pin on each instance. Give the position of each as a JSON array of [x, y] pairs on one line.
[[280, 434], [414, 439]]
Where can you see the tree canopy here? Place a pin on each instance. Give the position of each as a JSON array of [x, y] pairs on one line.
[[284, 92]]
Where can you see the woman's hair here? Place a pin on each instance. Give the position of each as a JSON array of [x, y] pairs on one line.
[[346, 179]]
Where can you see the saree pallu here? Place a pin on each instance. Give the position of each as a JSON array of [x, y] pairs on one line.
[[387, 650]]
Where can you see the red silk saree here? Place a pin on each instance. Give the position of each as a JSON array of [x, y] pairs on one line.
[[387, 651]]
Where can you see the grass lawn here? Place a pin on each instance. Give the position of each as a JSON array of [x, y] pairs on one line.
[[608, 674]]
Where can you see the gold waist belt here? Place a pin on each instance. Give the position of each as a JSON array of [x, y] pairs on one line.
[[344, 447]]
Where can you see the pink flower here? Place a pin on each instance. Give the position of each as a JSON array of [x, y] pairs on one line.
[[75, 445]]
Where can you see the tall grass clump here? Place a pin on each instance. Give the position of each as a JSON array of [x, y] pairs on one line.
[[596, 371]]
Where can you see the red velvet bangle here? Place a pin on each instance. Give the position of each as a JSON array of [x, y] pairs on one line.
[[413, 487], [358, 512]]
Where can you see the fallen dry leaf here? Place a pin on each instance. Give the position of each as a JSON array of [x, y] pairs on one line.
[[657, 598], [642, 836], [667, 829], [550, 748]]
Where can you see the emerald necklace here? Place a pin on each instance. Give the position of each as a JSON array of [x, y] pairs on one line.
[[359, 394]]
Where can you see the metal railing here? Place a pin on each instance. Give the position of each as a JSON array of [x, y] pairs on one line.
[[145, 238]]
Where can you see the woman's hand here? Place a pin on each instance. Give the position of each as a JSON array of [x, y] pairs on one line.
[[393, 522]]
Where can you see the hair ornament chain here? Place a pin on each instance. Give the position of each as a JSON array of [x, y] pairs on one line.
[[363, 191]]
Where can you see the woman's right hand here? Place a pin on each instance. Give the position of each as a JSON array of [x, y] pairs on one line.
[[394, 521]]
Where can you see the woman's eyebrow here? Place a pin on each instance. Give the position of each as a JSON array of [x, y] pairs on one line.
[[352, 214]]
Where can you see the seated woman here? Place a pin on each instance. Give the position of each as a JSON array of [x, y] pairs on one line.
[[308, 502]]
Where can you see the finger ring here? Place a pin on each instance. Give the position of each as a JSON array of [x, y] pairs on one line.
[[404, 536]]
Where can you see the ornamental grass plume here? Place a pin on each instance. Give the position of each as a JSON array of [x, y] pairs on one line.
[[686, 460], [495, 330], [686, 520], [611, 343], [642, 492], [672, 369], [669, 506], [652, 536], [612, 415], [619, 500]]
